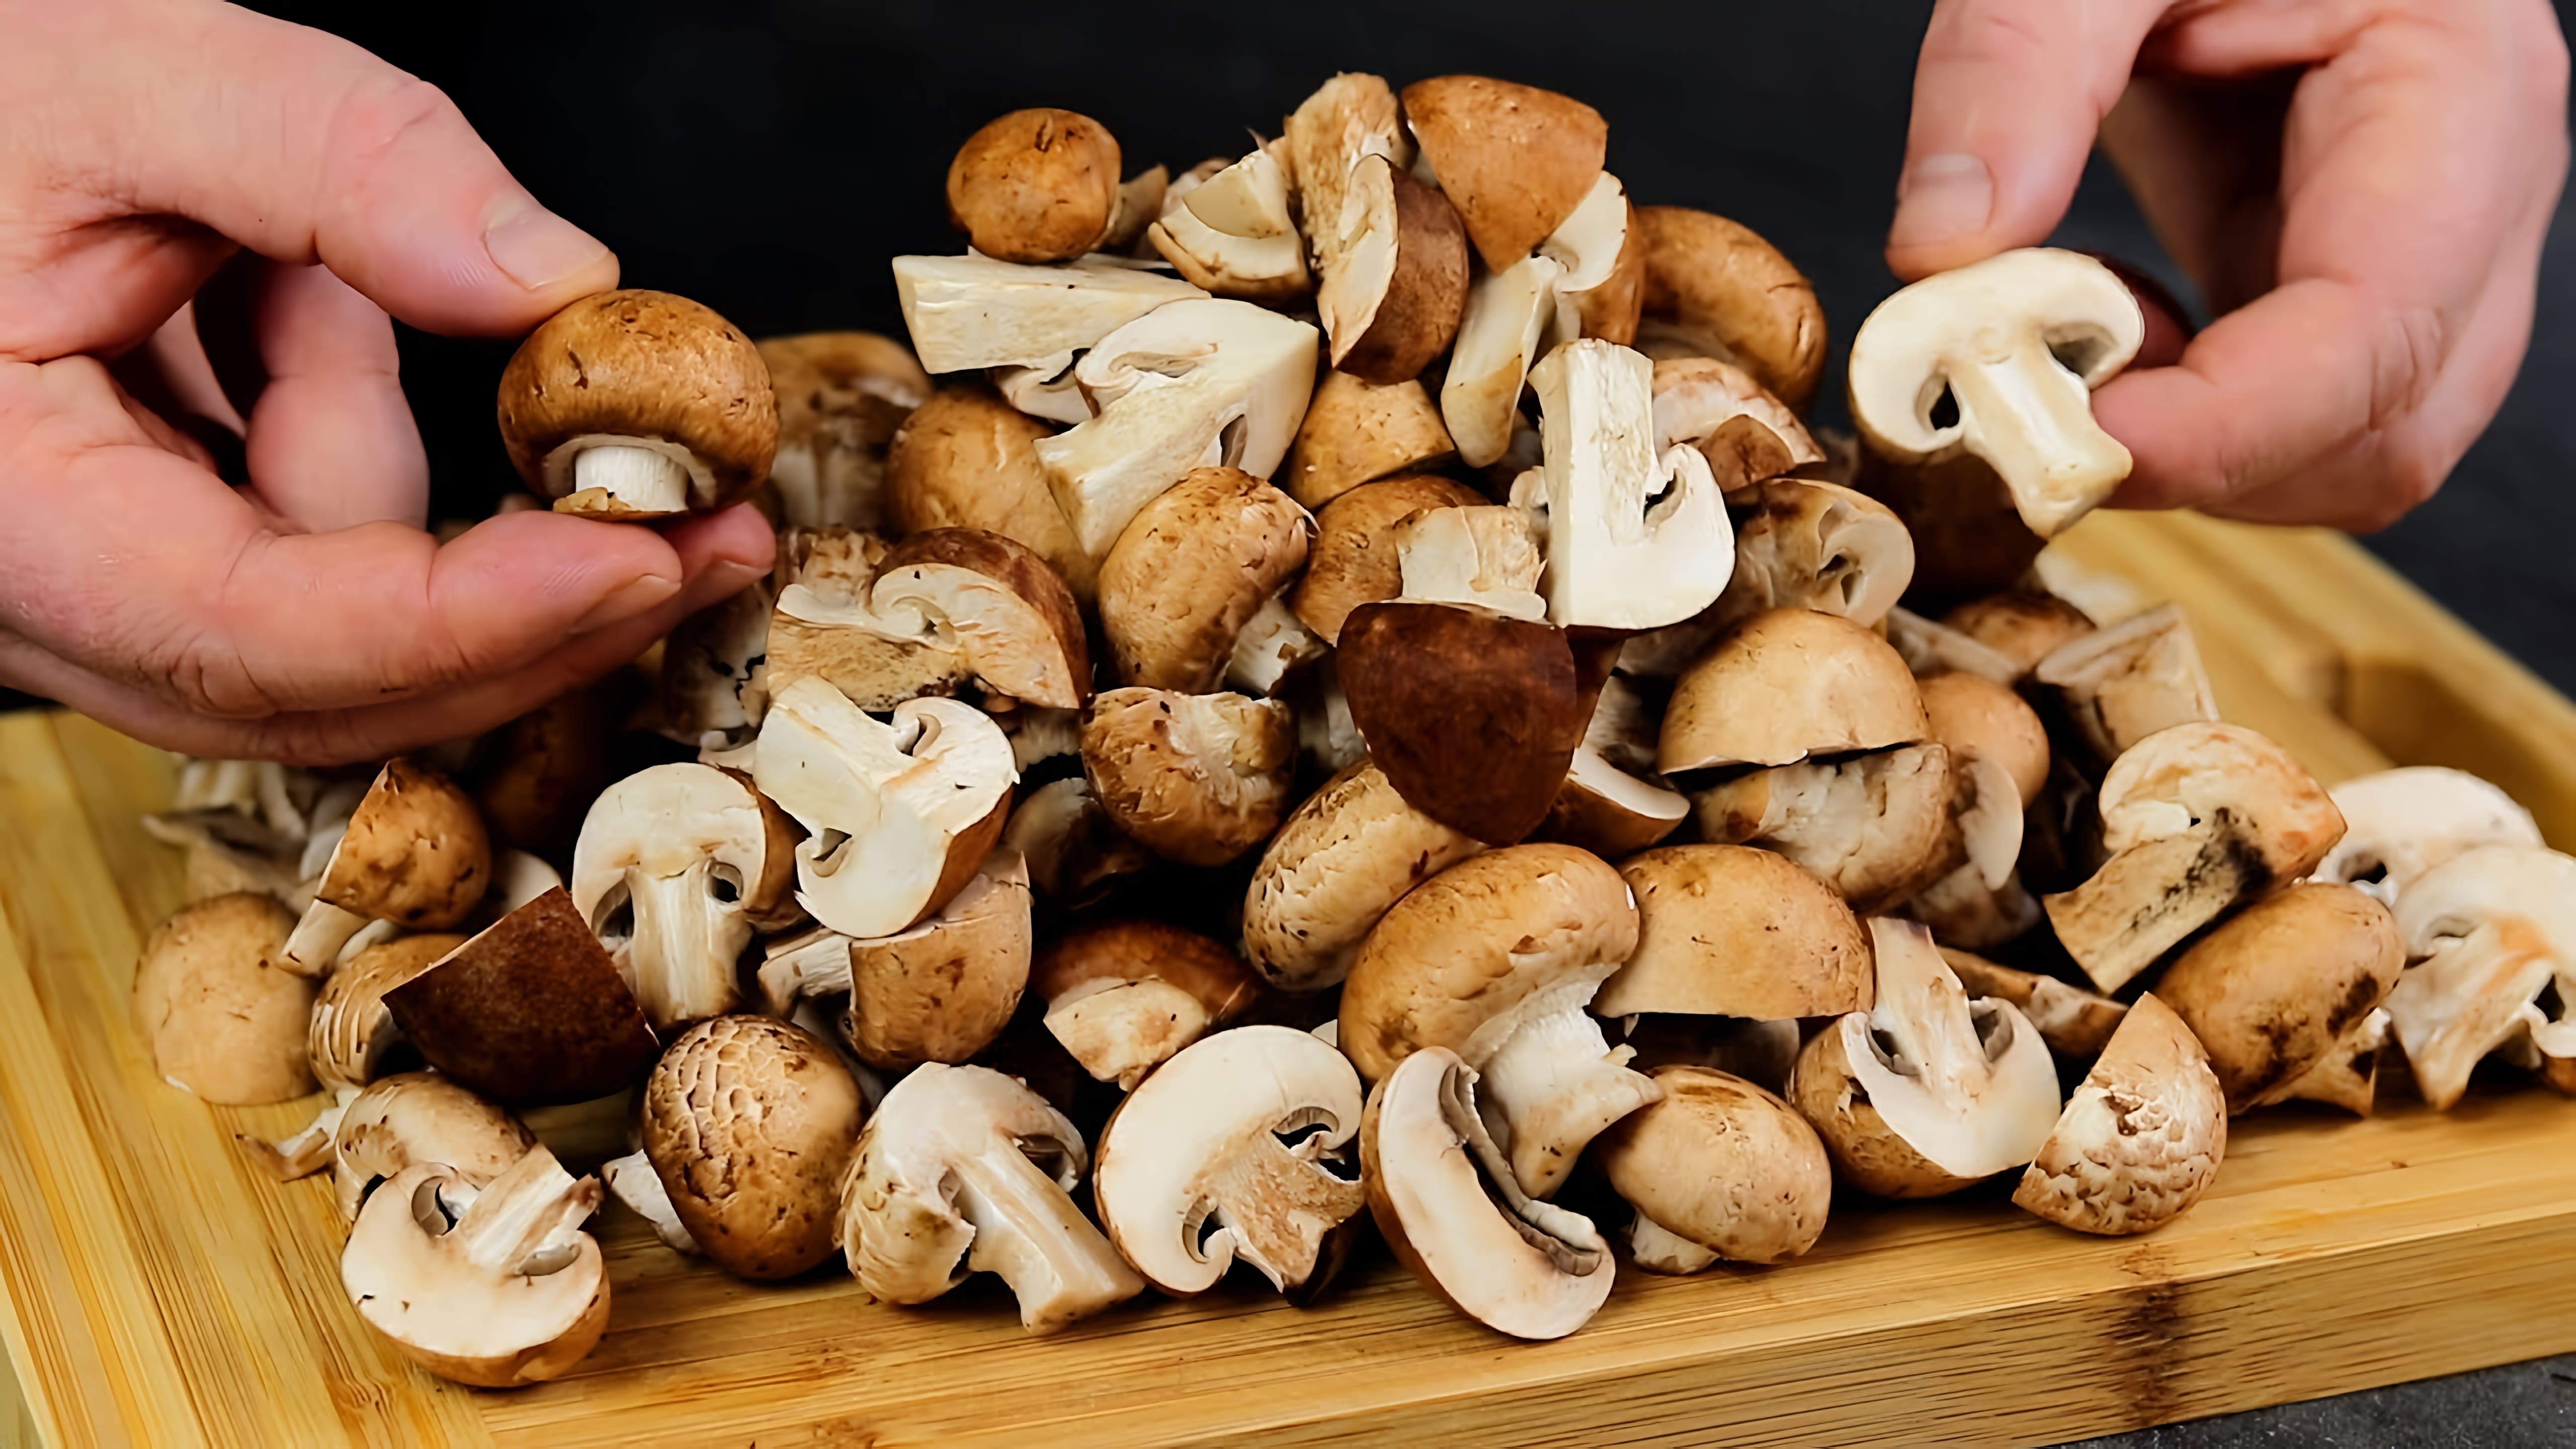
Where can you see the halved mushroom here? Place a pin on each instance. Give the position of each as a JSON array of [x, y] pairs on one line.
[[1933, 648], [1602, 290], [1787, 684], [1349, 852], [1500, 335], [494, 1287], [414, 1117], [1233, 234], [2403, 823], [1876, 827], [1449, 1203], [2023, 625], [2196, 819], [2000, 762], [533, 1009], [1634, 540], [224, 1016], [414, 853], [2117, 686], [1719, 1168], [841, 397], [713, 687], [1496, 958], [2349, 1075], [637, 405], [1191, 571], [1038, 185], [676, 868], [1222, 1155], [898, 813], [1822, 547], [1272, 648], [1927, 1092], [1724, 930], [750, 1123], [2488, 934], [1487, 555], [939, 992], [972, 312], [351, 1028], [1075, 853], [1747, 434], [1349, 118], [1195, 778], [1714, 288], [1613, 802], [1518, 161], [1356, 559], [2140, 1140], [2017, 342], [2272, 992], [962, 1170], [1395, 282], [2075, 1023], [1356, 432], [1123, 996], [964, 460], [940, 607]]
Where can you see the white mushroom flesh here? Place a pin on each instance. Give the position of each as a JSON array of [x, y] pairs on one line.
[[1633, 541], [2401, 823]]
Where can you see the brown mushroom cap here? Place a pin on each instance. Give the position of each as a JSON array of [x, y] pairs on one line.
[[1355, 432], [1123, 996], [415, 853], [966, 459], [1721, 280], [1726, 930], [841, 398], [639, 367], [1392, 301], [1980, 719], [2270, 992], [1787, 684], [1344, 856], [2140, 1140], [1195, 778], [749, 1123], [531, 1010], [1048, 664], [1191, 570], [942, 991], [224, 1017], [1354, 559], [2022, 625], [1038, 185], [351, 1028], [1514, 159], [1722, 1164]]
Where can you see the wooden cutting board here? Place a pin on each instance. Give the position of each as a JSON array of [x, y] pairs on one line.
[[162, 1291]]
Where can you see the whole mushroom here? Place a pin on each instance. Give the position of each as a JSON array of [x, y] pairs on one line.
[[749, 1123], [223, 1016], [1719, 1169], [1037, 185], [1346, 855], [1199, 779]]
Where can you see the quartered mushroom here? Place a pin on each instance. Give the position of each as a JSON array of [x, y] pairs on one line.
[[410, 1118], [1273, 648], [1192, 571], [2402, 823], [1226, 1155], [2276, 990], [1234, 232], [1786, 685], [1724, 930], [2490, 935], [939, 992], [531, 1010], [965, 460], [1715, 288], [1719, 1169], [1347, 853], [962, 1170], [841, 397], [351, 1029], [1613, 802], [942, 607], [1517, 161], [1500, 338], [1198, 779], [414, 853], [713, 688], [2076, 1023], [1931, 647], [1489, 556], [2141, 1138], [1357, 432], [1356, 558], [1037, 185], [1635, 540], [1820, 546], [223, 1014], [1076, 854], [1999, 759], [2023, 625], [1877, 827], [750, 1122], [972, 312], [1395, 281], [2119, 685], [1747, 434], [1602, 290], [1124, 996]]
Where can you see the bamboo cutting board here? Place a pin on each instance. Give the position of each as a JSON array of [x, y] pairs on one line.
[[163, 1292]]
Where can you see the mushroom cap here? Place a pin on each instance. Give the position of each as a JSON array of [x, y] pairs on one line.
[[2140, 1140], [223, 1015], [1124, 995], [1977, 718], [965, 459], [351, 1028], [2402, 823], [1191, 570], [1354, 559], [1722, 1164], [415, 1117], [2023, 625], [1818, 546], [841, 398], [749, 1123], [1725, 930], [1610, 811], [1356, 431], [1038, 185], [415, 852], [1787, 684], [2270, 992], [646, 369], [1722, 284], [2180, 776], [2488, 933], [1346, 854], [1463, 949], [2119, 685], [531, 1010], [943, 990], [1198, 779], [2076, 1023], [1193, 1172], [1514, 159], [1075, 853]]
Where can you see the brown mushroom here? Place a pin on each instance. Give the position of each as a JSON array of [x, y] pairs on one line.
[[944, 606], [1516, 160], [2140, 1140], [2272, 991], [2023, 625], [966, 460], [2075, 1023], [749, 1123], [1191, 570], [1714, 288], [1035, 186], [222, 1014], [409, 1118], [2119, 685], [1719, 1169], [531, 1010], [1356, 432], [1787, 684], [939, 992], [1396, 284], [841, 398], [1123, 996], [1725, 930], [414, 853], [1198, 779], [1354, 559], [351, 1028], [1877, 827], [1349, 852]]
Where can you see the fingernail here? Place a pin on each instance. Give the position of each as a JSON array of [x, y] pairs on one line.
[[1942, 198], [631, 598], [536, 247]]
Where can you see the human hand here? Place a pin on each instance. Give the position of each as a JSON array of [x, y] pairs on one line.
[[306, 616], [2360, 187]]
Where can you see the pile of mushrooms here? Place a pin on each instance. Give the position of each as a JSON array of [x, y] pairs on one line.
[[1329, 695]]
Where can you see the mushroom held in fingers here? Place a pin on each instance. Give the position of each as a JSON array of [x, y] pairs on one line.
[[841, 397], [2117, 686], [749, 1123], [1347, 854], [1123, 996], [1449, 1204], [415, 1117], [638, 405], [415, 853], [531, 1010], [1192, 569], [963, 460], [1355, 559], [2018, 342], [2488, 934], [1356, 432], [1037, 185], [1222, 1155], [2403, 823], [2272, 992], [2140, 1140], [494, 1287], [1785, 685], [352, 1029], [213, 999], [1714, 288], [1718, 1169], [1634, 540], [1496, 958], [963, 1170], [939, 992], [1198, 779], [1724, 930]]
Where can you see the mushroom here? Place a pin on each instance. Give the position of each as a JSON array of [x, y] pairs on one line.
[[939, 992], [1191, 384], [750, 1123], [548, 765], [2349, 1075], [2140, 1140], [2196, 820], [1349, 852], [714, 685], [2017, 342], [942, 606], [401, 1121], [1496, 958], [1714, 288], [2023, 625], [1123, 996], [1447, 1201], [2075, 1023], [1271, 648], [2000, 762], [1718, 1169], [2117, 686], [495, 1287], [1356, 432], [2271, 992], [1926, 1092], [1395, 279], [231, 853], [1195, 778], [1746, 433], [1507, 319], [1876, 827], [1602, 249], [1725, 930], [1969, 540], [1355, 558], [1761, 1052], [2403, 823], [351, 1028], [2487, 934], [1517, 161], [1075, 854], [1222, 1155], [414, 853], [961, 1171], [1613, 802], [963, 460], [632, 1181], [841, 398], [1232, 232], [1933, 648], [638, 405], [223, 1015], [1785, 685], [1822, 547], [1035, 186], [1192, 569], [972, 312], [677, 866], [1328, 739], [898, 813], [1980, 719], [531, 1010]]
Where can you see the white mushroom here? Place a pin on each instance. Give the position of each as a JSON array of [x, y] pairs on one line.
[[1634, 541], [2402, 823]]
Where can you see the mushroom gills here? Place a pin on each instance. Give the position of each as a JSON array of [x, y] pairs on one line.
[[1029, 1233], [1552, 1084]]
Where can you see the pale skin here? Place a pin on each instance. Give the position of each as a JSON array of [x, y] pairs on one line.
[[2369, 227]]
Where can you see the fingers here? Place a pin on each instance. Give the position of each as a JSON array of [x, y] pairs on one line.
[[332, 442], [2007, 96]]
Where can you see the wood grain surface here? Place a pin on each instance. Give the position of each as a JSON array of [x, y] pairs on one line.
[[161, 1291]]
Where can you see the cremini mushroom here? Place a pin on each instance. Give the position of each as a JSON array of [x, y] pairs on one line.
[[1635, 540], [2402, 823], [414, 853], [2272, 991], [414, 1117], [964, 460], [531, 1010], [351, 1029], [638, 405], [1226, 1154], [1037, 185], [1931, 647], [1725, 930], [713, 688], [1715, 288], [1719, 1169], [1515, 159], [1877, 827], [1124, 995], [841, 397], [1076, 855], [1348, 852], [2141, 1138], [2119, 685], [1602, 290], [1233, 232], [2348, 1077], [214, 1000], [1785, 685], [1198, 779], [972, 312], [1613, 802], [1357, 432], [943, 606], [1500, 338], [1489, 556], [749, 1123], [939, 992], [2023, 625], [1191, 571], [1395, 282], [2000, 760], [1273, 648], [1747, 434], [1355, 559], [2076, 1023], [2488, 934]]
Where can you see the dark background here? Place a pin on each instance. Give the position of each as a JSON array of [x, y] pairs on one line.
[[767, 156]]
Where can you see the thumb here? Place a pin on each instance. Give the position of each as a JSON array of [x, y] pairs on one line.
[[2007, 97]]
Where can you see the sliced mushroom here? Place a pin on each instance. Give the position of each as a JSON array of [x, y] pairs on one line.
[[2117, 686], [1876, 827], [2272, 992], [1395, 282], [2140, 1140], [352, 1029], [1488, 556], [1233, 234], [531, 1010], [1356, 432], [1634, 540], [942, 606], [2403, 823], [939, 992], [1348, 119], [2000, 762], [964, 460], [973, 312], [2488, 934], [1123, 996], [1356, 558], [1035, 186], [1714, 288], [2074, 1022], [1785, 685], [2022, 625], [632, 1181], [1602, 290], [1724, 930], [1076, 855], [414, 1117], [1191, 571], [1613, 802], [1349, 852], [750, 1123], [1933, 648], [1499, 338], [414, 853], [1198, 779], [214, 1000], [1719, 1169], [841, 397]]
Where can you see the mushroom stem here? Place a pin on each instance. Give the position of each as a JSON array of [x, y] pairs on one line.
[[1659, 1249], [319, 937], [307, 1152], [680, 961], [814, 964], [644, 479], [527, 1223], [1279, 1209], [2053, 456], [1028, 1231], [1553, 1085]]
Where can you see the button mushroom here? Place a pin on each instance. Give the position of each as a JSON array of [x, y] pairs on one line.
[[2272, 991], [1225, 1154], [1355, 559], [1785, 685], [939, 992], [2488, 934], [1715, 288], [1724, 930], [352, 1029], [841, 396], [964, 460], [971, 312], [414, 853], [1191, 571], [1198, 779], [1395, 281], [1876, 827], [1356, 432], [2022, 625], [939, 608], [224, 1017], [2403, 823], [2117, 686], [2140, 1140], [1496, 958], [531, 1010], [1035, 186], [961, 1171], [1123, 996], [1718, 1169], [749, 1123], [415, 1117], [1233, 233], [638, 405], [2074, 1022], [2018, 342], [1350, 851]]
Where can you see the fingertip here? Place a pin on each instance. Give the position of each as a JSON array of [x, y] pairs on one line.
[[738, 538], [553, 261]]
